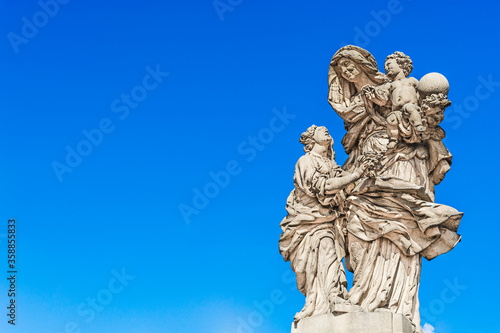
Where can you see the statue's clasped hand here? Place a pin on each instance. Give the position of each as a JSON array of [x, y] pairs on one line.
[[368, 91], [363, 166], [369, 163]]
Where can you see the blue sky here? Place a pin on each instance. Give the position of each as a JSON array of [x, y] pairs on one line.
[[164, 100]]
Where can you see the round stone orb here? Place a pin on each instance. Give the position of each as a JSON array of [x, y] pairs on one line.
[[433, 83]]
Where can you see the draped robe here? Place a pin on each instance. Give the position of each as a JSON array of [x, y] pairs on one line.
[[312, 239], [392, 220]]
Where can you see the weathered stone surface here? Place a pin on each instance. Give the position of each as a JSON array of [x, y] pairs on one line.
[[433, 83], [377, 211], [354, 322]]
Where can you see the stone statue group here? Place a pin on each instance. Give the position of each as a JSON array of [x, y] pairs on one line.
[[377, 212]]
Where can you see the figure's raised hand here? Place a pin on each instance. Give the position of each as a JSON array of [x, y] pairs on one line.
[[363, 165], [369, 163], [368, 91]]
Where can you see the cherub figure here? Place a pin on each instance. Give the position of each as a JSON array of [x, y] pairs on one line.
[[401, 94], [404, 96], [433, 106]]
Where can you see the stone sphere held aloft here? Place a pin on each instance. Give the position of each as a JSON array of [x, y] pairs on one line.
[[433, 83]]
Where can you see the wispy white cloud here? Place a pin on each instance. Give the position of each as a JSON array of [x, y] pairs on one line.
[[428, 328]]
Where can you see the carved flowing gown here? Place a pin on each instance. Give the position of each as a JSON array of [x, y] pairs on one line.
[[392, 220], [311, 239]]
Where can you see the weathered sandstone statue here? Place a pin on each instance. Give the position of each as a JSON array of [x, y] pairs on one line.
[[378, 210]]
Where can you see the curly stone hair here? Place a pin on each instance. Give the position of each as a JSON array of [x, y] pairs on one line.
[[307, 138], [434, 100], [403, 61]]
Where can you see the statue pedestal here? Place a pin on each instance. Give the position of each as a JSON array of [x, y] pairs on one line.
[[354, 322]]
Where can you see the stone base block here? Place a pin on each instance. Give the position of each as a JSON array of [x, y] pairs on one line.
[[354, 322]]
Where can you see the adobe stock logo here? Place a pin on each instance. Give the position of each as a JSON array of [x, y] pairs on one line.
[[437, 306], [87, 311], [39, 19], [381, 19], [264, 309], [223, 6], [471, 103], [247, 150], [122, 107]]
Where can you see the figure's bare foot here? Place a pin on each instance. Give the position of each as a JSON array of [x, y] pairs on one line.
[[392, 144], [343, 306], [307, 311], [420, 128], [339, 300], [382, 310]]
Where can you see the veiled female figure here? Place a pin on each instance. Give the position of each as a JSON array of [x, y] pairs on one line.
[[351, 69], [311, 238], [391, 219]]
